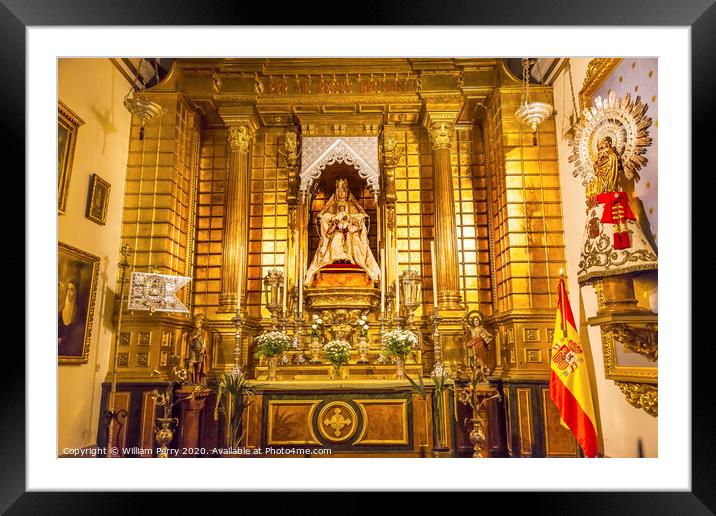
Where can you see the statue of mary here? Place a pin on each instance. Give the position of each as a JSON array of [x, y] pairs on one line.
[[343, 228]]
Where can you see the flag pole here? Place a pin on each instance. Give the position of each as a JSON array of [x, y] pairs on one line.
[[123, 265], [562, 295]]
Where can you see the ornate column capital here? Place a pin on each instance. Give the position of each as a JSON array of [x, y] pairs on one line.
[[442, 134], [239, 137], [241, 125]]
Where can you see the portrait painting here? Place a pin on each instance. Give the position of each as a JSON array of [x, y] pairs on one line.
[[67, 124], [77, 274], [97, 199]]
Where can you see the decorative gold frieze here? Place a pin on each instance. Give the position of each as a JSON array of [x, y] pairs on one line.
[[641, 395]]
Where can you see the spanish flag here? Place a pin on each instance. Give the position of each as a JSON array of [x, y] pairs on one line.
[[569, 381]]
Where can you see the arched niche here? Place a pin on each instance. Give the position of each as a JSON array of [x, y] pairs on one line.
[[358, 152]]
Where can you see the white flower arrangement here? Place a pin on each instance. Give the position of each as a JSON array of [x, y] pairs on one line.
[[271, 343], [363, 326], [398, 343], [337, 351], [316, 326]]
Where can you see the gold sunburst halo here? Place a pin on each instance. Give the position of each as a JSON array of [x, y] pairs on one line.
[[624, 120]]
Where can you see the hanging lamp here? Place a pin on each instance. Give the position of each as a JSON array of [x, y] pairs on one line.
[[531, 113], [141, 107]]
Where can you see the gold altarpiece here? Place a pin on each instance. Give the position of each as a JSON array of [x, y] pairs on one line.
[[214, 191]]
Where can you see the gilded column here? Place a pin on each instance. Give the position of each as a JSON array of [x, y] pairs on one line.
[[239, 136], [442, 134]]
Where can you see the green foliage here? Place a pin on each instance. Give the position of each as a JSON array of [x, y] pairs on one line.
[[233, 396]]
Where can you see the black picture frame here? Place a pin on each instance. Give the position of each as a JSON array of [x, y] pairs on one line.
[[700, 15], [97, 200]]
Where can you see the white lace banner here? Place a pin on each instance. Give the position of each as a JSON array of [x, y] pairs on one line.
[[361, 152], [156, 292]]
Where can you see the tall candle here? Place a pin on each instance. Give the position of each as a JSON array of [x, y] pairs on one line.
[[382, 282], [285, 279], [299, 271], [397, 285], [238, 287], [435, 276]]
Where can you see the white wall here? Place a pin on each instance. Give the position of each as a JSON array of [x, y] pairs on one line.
[[94, 89], [621, 424]]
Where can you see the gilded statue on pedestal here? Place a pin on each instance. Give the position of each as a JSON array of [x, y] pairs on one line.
[[196, 354], [343, 228], [608, 150]]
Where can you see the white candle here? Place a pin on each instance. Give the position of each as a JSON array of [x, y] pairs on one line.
[[382, 282], [435, 276], [300, 281], [285, 279], [238, 287], [397, 285]]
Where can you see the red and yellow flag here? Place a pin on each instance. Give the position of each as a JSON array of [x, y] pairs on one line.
[[568, 379]]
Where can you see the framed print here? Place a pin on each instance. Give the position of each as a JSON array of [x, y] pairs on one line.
[[97, 199], [77, 273], [41, 470], [67, 124]]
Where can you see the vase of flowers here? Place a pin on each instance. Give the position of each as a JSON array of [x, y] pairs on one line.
[[270, 345], [338, 352], [397, 344], [363, 344]]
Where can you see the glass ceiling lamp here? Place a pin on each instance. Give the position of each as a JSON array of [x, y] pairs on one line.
[[531, 113], [142, 108]]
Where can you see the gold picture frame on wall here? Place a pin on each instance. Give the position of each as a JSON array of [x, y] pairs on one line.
[[623, 365], [97, 200], [77, 273], [67, 125]]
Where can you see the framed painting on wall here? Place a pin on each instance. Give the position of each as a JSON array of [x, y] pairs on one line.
[[97, 199], [67, 124], [77, 273]]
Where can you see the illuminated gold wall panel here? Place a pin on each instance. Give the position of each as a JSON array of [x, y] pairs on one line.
[[158, 211], [210, 221], [526, 206], [415, 219], [268, 217]]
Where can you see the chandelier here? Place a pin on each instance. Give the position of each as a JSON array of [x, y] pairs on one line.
[[531, 113], [141, 107]]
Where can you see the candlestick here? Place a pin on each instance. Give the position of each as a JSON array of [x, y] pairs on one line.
[[397, 286], [285, 281], [382, 282], [435, 276], [241, 272], [300, 282]]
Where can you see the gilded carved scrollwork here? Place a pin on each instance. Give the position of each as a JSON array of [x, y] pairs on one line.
[[290, 155], [391, 157], [641, 395], [442, 135], [642, 340], [239, 137]]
